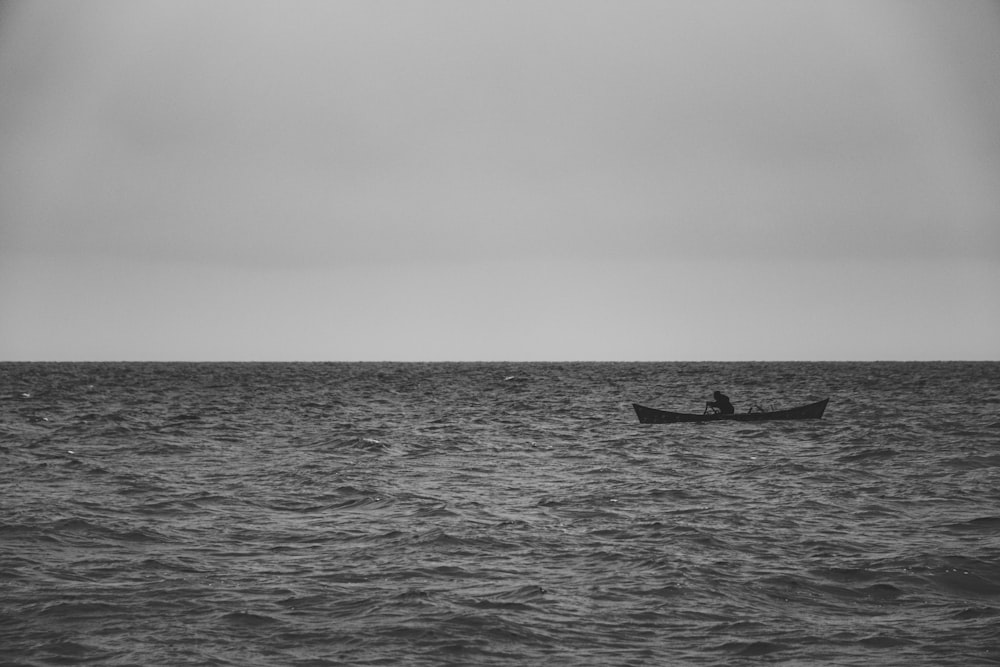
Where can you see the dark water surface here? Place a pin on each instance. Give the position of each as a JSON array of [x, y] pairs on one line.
[[497, 514]]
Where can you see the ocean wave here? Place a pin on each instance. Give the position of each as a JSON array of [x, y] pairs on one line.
[[431, 514]]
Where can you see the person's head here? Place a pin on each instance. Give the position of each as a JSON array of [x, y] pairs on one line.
[[716, 394]]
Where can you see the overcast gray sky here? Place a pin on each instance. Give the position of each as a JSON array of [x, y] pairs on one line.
[[462, 180]]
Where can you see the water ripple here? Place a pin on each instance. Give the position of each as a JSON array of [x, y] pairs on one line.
[[427, 514]]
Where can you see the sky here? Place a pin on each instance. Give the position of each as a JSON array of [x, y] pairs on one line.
[[461, 180]]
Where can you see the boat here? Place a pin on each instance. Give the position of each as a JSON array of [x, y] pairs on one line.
[[654, 416]]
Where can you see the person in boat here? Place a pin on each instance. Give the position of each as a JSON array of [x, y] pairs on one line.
[[721, 403]]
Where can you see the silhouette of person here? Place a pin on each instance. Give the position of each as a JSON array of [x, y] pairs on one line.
[[721, 403]]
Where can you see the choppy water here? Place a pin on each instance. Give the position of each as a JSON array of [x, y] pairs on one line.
[[497, 514]]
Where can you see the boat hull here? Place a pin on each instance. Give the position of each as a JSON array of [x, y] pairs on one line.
[[654, 416]]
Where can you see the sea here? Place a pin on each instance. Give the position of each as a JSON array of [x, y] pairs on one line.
[[310, 514]]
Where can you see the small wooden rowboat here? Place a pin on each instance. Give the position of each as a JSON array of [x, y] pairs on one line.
[[654, 416]]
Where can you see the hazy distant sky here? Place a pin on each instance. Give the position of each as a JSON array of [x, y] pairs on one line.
[[465, 180]]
